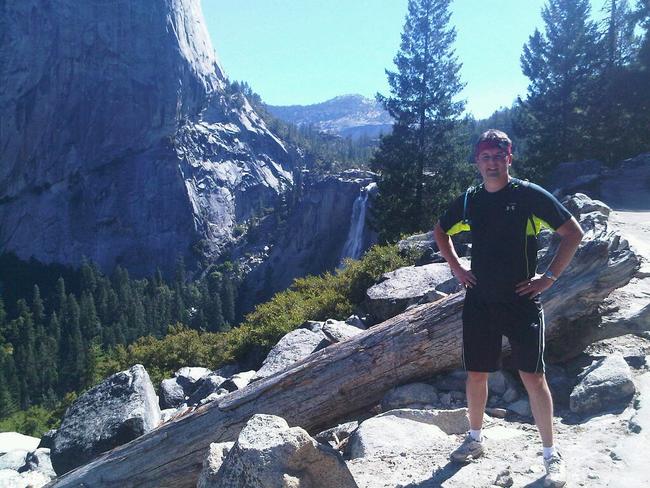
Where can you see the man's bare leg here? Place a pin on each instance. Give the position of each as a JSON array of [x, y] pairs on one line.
[[476, 389], [541, 404]]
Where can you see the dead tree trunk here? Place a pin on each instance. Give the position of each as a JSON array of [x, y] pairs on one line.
[[346, 377]]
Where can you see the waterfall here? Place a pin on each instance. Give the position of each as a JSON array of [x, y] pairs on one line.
[[354, 242]]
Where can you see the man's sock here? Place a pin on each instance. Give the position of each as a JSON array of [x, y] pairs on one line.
[[476, 434], [548, 452]]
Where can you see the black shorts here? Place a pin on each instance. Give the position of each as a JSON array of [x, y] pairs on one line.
[[484, 324]]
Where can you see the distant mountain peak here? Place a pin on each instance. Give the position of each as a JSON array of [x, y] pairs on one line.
[[350, 115]]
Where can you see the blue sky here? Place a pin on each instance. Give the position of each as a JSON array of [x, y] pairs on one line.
[[308, 51]]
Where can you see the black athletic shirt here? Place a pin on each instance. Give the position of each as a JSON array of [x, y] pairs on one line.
[[504, 226]]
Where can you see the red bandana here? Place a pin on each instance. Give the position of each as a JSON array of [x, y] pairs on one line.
[[494, 144]]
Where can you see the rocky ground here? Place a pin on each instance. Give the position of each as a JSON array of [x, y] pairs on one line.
[[604, 450]]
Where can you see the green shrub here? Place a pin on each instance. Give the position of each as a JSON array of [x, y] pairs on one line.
[[331, 295], [316, 298], [37, 419]]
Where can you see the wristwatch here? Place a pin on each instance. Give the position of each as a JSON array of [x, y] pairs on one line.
[[549, 274]]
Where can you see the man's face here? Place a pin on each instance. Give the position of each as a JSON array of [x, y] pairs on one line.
[[493, 164]]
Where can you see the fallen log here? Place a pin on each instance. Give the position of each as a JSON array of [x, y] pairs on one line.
[[351, 375]]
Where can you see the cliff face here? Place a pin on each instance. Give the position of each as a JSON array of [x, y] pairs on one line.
[[118, 140], [315, 237]]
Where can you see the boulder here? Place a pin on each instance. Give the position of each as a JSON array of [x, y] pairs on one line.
[[29, 479], [39, 460], [452, 381], [175, 391], [238, 381], [418, 243], [227, 370], [312, 325], [571, 177], [48, 439], [172, 394], [510, 395], [500, 381], [412, 395], [220, 393], [335, 435], [521, 407], [410, 285], [504, 479], [213, 460], [293, 346], [13, 459], [270, 454], [627, 186], [580, 204], [605, 384], [10, 441], [425, 249], [406, 431], [121, 408], [207, 386], [355, 321], [10, 478], [337, 331], [171, 413], [559, 383], [188, 377]]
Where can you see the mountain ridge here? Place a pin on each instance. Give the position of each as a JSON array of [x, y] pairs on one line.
[[349, 115]]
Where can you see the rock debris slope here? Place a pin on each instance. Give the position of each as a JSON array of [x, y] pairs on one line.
[[118, 140]]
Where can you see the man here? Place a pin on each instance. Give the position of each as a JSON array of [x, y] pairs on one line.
[[504, 215]]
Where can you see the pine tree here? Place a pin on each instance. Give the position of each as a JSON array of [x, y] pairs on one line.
[[38, 309], [612, 112], [61, 298], [88, 276], [228, 295], [71, 349], [562, 64], [88, 321], [24, 355], [54, 328], [425, 108], [621, 43], [3, 317], [642, 14], [8, 382]]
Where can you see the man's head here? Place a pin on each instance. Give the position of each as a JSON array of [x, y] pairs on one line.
[[493, 156], [493, 139]]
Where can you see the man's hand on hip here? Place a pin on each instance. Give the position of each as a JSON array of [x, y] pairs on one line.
[[465, 276], [534, 286]]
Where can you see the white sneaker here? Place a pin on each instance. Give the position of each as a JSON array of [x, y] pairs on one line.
[[555, 471], [469, 448]]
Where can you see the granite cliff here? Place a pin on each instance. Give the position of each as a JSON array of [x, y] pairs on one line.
[[119, 140]]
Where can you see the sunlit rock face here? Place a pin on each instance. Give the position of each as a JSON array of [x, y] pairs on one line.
[[118, 139]]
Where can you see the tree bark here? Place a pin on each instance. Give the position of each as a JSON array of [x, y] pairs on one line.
[[349, 376]]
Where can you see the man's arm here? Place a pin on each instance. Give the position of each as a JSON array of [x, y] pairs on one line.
[[570, 236], [446, 247]]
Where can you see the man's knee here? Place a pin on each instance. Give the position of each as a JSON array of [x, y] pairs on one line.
[[533, 380], [477, 377]]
